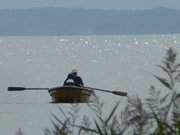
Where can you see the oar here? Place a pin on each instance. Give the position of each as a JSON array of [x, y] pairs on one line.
[[23, 88], [120, 93]]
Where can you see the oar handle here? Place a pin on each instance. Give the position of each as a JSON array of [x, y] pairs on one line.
[[23, 88], [16, 88], [119, 93]]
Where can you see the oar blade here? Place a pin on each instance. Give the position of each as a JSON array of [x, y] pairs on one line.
[[16, 88], [119, 93]]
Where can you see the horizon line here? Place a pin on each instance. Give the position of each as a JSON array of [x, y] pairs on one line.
[[78, 8]]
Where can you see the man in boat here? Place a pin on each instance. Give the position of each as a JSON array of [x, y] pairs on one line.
[[73, 79]]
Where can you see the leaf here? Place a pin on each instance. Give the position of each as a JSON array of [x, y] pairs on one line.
[[62, 111], [168, 65], [87, 129], [163, 99], [56, 126], [164, 69], [177, 77], [171, 55], [111, 114], [113, 132], [164, 82], [57, 119], [98, 128], [177, 66]]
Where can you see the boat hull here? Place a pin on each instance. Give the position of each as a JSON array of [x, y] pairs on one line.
[[70, 94]]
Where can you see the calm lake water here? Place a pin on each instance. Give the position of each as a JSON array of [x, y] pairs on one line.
[[124, 63]]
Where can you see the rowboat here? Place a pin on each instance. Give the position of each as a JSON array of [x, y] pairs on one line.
[[71, 94]]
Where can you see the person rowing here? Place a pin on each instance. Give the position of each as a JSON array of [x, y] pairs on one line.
[[73, 79]]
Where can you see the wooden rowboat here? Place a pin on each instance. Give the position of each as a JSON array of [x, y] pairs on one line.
[[70, 94]]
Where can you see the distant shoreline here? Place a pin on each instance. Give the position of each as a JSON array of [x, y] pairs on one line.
[[77, 22], [131, 35]]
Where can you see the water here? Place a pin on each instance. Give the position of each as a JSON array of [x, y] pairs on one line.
[[123, 63]]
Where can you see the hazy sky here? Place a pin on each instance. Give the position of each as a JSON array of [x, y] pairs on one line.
[[98, 4]]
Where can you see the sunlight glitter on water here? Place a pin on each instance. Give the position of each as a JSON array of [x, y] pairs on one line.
[[109, 62]]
